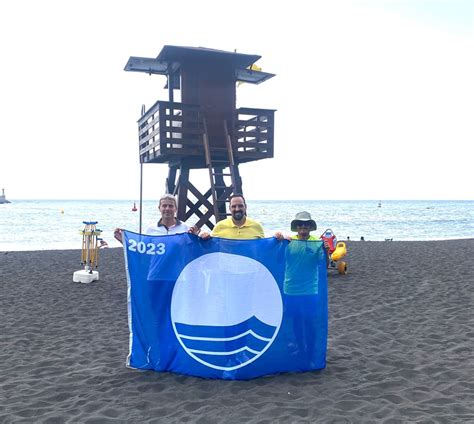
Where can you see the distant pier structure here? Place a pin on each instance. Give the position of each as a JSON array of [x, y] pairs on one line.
[[3, 199], [204, 129]]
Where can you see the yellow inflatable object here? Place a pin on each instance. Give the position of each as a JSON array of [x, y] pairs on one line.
[[339, 252]]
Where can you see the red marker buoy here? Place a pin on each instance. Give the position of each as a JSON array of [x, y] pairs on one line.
[[134, 209]]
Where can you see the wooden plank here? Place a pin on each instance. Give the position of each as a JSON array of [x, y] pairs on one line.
[[254, 111], [180, 152], [253, 154], [147, 127], [178, 105], [183, 130], [248, 140], [149, 147], [164, 106], [193, 210], [153, 109], [150, 135], [184, 141], [182, 118], [248, 144], [249, 132], [183, 183], [205, 220], [202, 200], [260, 140], [245, 124]]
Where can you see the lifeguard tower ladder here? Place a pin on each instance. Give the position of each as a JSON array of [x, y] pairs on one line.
[[204, 130]]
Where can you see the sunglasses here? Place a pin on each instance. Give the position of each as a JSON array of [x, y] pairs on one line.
[[303, 224]]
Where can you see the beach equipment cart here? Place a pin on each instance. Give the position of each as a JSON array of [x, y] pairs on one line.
[[336, 251]]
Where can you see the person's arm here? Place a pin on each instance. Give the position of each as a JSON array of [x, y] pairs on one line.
[[215, 232], [118, 234], [280, 236], [194, 230], [205, 235]]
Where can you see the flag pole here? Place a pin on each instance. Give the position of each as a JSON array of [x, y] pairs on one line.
[[141, 197], [141, 185]]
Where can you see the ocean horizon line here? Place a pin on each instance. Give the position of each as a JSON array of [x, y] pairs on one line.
[[247, 198]]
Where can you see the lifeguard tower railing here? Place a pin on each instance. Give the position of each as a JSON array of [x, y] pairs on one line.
[[169, 131]]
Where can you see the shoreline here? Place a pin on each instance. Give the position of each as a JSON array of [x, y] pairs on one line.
[[344, 240], [399, 346]]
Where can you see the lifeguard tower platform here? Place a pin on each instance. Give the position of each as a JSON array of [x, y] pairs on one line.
[[204, 130]]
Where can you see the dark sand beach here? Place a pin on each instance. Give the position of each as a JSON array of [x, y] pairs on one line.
[[400, 348]]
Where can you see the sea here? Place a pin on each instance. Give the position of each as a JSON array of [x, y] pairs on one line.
[[57, 224]]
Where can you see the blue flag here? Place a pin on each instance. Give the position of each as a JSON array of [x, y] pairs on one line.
[[228, 309]]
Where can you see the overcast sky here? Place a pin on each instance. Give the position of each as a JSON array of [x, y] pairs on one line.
[[374, 99]]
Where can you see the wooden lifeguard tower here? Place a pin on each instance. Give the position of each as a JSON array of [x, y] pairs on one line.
[[204, 130]]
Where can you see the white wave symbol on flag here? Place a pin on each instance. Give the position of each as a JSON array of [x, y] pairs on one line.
[[212, 316], [226, 347]]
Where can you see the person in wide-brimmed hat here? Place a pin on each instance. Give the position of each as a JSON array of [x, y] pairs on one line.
[[304, 285], [303, 224]]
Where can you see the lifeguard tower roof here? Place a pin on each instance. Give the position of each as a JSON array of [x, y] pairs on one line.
[[181, 54], [170, 59]]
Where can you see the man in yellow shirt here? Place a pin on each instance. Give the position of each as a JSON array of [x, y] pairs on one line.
[[238, 225]]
